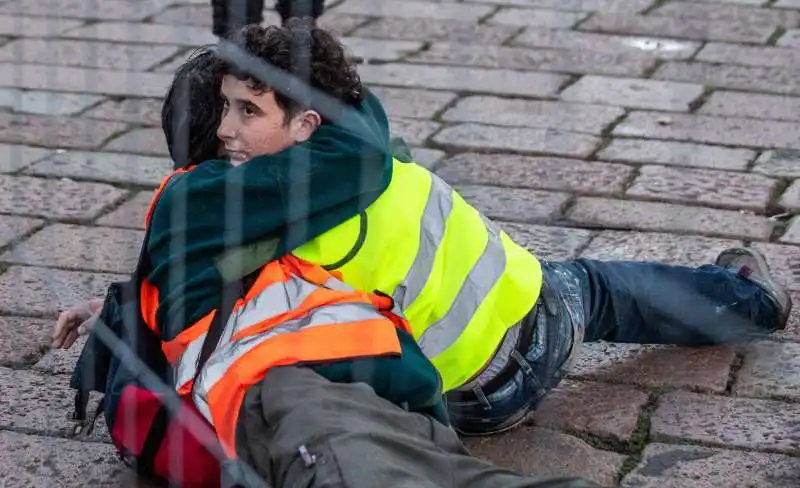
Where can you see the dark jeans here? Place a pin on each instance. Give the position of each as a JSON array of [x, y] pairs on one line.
[[618, 301], [230, 15]]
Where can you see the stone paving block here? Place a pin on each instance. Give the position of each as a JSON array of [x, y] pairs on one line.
[[578, 62], [573, 117], [88, 54], [84, 80], [671, 466], [677, 154], [536, 17], [552, 243], [787, 4], [588, 41], [136, 110], [426, 157], [412, 103], [13, 228], [30, 460], [197, 15], [726, 13], [678, 28], [767, 134], [413, 9], [55, 131], [142, 141], [612, 245], [45, 102], [105, 10], [341, 24], [14, 157], [792, 331], [33, 291], [542, 141], [380, 49], [495, 81], [130, 214], [413, 131], [728, 422], [668, 217], [36, 403], [703, 186], [633, 93], [536, 173], [79, 247], [55, 199], [749, 78], [775, 57], [179, 35], [755, 105], [770, 370], [790, 199], [704, 369], [789, 39], [21, 26], [784, 263], [792, 234], [546, 454], [22, 340], [59, 361], [104, 166], [437, 30], [579, 5], [514, 204], [603, 410]]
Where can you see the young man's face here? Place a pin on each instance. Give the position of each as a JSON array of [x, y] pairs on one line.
[[254, 124]]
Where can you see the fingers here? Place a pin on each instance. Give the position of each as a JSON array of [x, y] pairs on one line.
[[67, 321], [72, 336], [86, 326]]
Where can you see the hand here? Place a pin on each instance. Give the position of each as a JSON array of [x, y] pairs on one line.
[[75, 322]]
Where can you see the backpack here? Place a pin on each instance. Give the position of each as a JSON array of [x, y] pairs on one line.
[[123, 360]]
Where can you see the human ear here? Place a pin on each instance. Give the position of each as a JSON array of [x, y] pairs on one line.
[[305, 124]]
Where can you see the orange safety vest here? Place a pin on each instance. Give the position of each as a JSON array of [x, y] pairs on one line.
[[295, 312]]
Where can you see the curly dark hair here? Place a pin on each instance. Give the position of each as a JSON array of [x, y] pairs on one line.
[[304, 50], [192, 109]]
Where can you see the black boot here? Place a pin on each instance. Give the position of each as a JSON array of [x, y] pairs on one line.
[[299, 8], [231, 15]]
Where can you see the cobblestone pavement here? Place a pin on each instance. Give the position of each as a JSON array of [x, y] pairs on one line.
[[555, 117]]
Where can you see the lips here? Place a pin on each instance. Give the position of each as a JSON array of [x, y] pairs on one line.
[[238, 156]]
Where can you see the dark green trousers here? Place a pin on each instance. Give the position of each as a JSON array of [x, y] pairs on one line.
[[297, 429]]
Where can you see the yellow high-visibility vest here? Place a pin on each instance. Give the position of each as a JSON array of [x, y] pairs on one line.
[[459, 280]]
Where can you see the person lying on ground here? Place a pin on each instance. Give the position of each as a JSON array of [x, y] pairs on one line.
[[500, 325]]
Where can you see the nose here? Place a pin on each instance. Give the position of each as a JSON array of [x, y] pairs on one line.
[[225, 130]]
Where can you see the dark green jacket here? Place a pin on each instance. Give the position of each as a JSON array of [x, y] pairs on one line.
[[217, 223]]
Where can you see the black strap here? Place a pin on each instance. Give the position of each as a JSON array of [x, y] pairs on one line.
[[230, 293], [152, 443]]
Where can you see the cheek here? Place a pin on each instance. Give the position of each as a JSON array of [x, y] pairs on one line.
[[272, 138]]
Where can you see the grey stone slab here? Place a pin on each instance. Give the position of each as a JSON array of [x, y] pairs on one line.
[[658, 95], [14, 157], [661, 48], [559, 60], [479, 80], [678, 28], [708, 129], [755, 105], [677, 154], [556, 19], [544, 141], [79, 247], [573, 117], [413, 9], [46, 102], [105, 166], [89, 54], [412, 103], [671, 466]]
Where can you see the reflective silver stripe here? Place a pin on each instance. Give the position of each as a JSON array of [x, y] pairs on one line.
[[434, 217], [276, 299], [229, 352], [480, 280], [184, 369]]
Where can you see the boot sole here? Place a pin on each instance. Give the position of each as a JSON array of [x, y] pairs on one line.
[[765, 275]]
